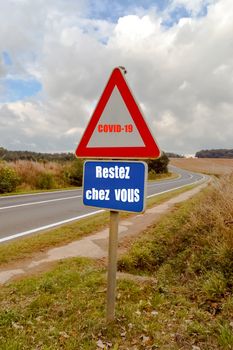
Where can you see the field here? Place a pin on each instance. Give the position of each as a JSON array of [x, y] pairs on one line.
[[213, 166]]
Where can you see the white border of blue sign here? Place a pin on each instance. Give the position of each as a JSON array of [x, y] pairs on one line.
[[118, 162]]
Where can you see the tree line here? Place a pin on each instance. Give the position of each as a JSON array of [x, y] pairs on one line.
[[157, 165], [215, 153], [12, 156]]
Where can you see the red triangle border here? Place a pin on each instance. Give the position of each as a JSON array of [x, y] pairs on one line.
[[151, 149]]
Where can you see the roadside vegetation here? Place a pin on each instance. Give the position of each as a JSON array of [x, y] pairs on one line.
[[215, 153], [191, 255], [29, 175], [179, 294], [26, 175]]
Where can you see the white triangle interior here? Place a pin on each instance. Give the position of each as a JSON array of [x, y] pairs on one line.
[[116, 113]]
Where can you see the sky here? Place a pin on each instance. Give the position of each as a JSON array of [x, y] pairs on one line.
[[57, 55]]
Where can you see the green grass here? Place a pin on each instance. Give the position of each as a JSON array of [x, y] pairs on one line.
[[65, 309]]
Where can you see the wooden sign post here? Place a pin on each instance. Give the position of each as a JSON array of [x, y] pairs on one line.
[[112, 264]]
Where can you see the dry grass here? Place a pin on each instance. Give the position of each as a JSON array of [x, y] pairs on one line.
[[191, 254], [29, 171], [31, 174], [214, 166], [203, 231]]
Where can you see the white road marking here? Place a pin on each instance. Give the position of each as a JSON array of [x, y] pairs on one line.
[[175, 188], [168, 181], [17, 235], [35, 203], [38, 193]]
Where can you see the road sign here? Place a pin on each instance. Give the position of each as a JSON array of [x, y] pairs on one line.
[[115, 185], [117, 128]]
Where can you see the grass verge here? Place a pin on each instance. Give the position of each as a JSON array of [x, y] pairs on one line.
[[65, 309]]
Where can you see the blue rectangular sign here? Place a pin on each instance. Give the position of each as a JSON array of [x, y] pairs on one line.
[[115, 185]]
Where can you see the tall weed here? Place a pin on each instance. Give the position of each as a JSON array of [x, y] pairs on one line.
[[196, 240], [40, 175]]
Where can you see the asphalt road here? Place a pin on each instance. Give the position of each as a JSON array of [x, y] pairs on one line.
[[21, 215]]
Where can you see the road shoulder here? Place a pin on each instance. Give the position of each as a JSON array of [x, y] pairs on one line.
[[96, 245]]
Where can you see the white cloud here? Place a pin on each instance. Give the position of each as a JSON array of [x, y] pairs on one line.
[[182, 75]]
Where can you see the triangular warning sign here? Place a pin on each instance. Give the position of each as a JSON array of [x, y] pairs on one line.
[[117, 128]]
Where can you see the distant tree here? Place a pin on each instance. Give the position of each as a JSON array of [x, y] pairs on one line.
[[34, 156], [215, 153]]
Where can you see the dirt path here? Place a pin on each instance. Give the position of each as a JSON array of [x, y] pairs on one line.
[[94, 246]]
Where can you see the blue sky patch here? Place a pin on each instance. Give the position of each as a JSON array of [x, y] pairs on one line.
[[6, 58], [182, 12], [107, 10], [176, 15], [19, 89], [118, 8]]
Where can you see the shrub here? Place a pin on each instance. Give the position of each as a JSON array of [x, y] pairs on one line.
[[74, 173], [8, 179], [45, 181]]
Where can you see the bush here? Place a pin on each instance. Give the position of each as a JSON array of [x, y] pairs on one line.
[[74, 173], [8, 179], [45, 181]]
